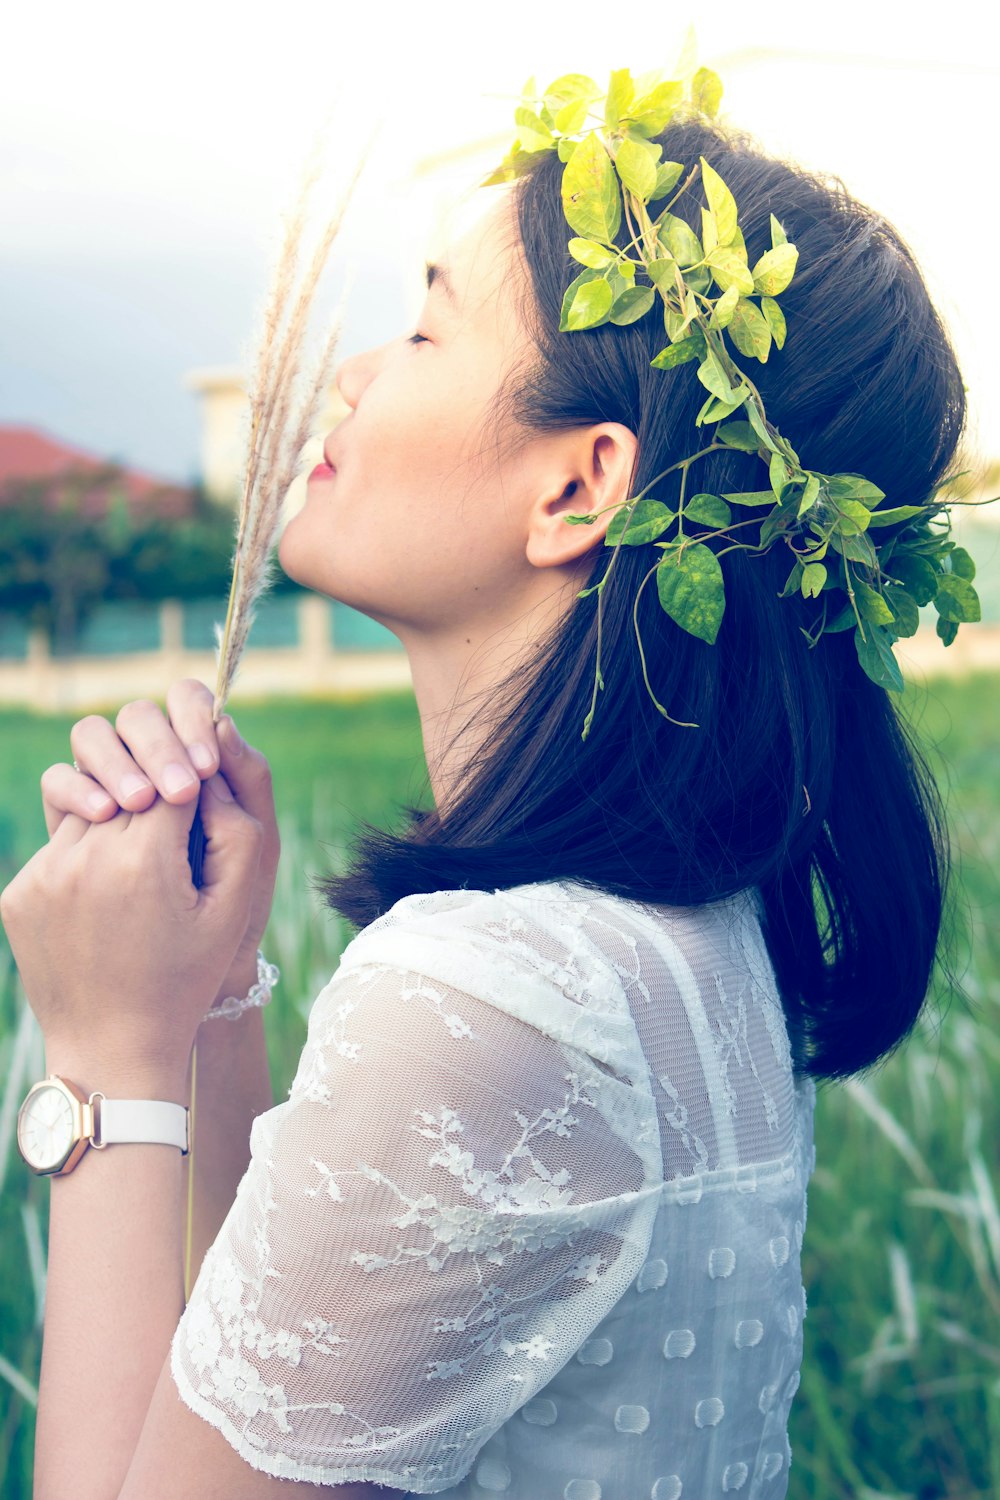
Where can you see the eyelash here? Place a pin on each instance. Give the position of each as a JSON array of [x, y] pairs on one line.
[[417, 338]]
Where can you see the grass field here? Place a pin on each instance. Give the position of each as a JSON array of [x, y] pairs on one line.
[[901, 1377]]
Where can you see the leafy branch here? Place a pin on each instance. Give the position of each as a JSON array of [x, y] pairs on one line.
[[709, 297]]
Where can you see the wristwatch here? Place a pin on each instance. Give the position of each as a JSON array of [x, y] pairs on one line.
[[57, 1122]]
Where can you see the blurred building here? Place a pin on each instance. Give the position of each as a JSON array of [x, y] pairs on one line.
[[67, 474]]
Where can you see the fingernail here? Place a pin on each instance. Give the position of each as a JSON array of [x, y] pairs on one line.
[[176, 778], [133, 783], [219, 787], [98, 801], [202, 756]]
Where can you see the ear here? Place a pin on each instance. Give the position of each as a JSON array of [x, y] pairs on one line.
[[591, 476]]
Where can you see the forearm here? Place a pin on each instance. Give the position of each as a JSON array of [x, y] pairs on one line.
[[233, 1086], [114, 1294]]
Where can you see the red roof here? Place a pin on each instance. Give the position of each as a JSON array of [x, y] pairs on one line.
[[27, 453]]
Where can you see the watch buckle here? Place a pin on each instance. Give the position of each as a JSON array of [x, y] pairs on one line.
[[91, 1134]]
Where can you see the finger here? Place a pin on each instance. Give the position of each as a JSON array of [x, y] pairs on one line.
[[233, 844], [73, 828], [67, 791], [156, 749], [248, 773], [190, 704], [101, 755]]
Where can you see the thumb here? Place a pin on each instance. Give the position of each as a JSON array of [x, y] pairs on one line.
[[248, 773], [233, 840]]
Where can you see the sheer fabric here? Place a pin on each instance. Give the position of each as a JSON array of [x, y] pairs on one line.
[[529, 1222]]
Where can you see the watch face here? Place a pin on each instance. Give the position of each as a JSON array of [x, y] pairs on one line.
[[45, 1129]]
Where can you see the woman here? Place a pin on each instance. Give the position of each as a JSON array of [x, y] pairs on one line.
[[530, 1220]]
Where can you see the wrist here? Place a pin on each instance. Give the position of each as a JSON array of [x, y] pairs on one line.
[[118, 1077]]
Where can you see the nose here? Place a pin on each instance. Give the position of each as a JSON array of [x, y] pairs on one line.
[[355, 373]]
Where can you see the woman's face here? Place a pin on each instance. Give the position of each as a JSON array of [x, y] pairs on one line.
[[425, 523]]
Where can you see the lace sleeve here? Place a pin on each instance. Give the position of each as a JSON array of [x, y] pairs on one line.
[[447, 1204]]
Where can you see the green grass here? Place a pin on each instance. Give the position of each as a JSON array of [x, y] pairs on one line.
[[901, 1376]]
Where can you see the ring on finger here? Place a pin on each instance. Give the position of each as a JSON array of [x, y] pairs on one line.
[[76, 767]]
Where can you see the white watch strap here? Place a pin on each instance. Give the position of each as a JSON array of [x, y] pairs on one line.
[[146, 1120]]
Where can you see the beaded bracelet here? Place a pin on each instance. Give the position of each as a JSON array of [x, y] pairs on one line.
[[260, 994]]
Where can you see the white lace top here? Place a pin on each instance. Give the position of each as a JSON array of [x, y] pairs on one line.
[[529, 1221]]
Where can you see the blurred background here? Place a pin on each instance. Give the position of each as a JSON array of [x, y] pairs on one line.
[[149, 160]]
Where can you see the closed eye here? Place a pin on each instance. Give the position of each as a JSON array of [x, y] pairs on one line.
[[417, 338]]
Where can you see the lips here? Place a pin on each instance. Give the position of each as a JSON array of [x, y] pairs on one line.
[[322, 471]]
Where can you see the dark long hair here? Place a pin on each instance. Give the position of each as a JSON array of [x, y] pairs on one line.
[[803, 778]]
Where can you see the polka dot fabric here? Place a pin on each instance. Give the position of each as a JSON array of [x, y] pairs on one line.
[[529, 1223]]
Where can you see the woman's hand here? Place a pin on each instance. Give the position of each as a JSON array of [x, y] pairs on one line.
[[118, 953], [146, 755]]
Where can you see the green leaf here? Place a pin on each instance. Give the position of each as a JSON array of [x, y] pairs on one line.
[[793, 582], [533, 133], [760, 427], [871, 604], [571, 117], [566, 149], [621, 92], [730, 269], [590, 195], [680, 353], [713, 377], [691, 590], [778, 235], [813, 579], [648, 520], [706, 92], [710, 510], [680, 240], [893, 516], [586, 303], [749, 330], [962, 563], [906, 615], [570, 87], [916, 575], [775, 269], [668, 175], [725, 307], [709, 231], [875, 656], [946, 629], [662, 272], [720, 201], [739, 435], [750, 497], [651, 112], [842, 621], [854, 487], [810, 494], [590, 253], [636, 168], [778, 474], [717, 409], [956, 599], [516, 163], [853, 517], [775, 320], [631, 304]]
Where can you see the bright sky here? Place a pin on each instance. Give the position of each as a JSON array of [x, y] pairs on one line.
[[149, 152]]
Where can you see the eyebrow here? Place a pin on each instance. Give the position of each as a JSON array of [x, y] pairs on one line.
[[440, 274]]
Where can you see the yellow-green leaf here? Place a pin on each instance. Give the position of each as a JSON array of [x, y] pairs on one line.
[[709, 231], [775, 320], [730, 269], [720, 201], [621, 92], [586, 304], [726, 306], [680, 239], [749, 330], [589, 253], [668, 175], [775, 269], [636, 168], [631, 304], [706, 92], [650, 112], [590, 195], [813, 579], [708, 510], [778, 235]]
